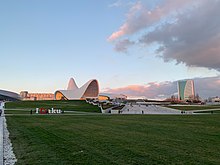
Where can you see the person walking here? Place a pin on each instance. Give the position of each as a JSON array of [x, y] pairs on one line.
[[0, 112]]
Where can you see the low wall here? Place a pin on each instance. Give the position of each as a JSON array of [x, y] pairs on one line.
[[114, 111]]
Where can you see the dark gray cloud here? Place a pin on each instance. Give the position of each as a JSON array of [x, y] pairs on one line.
[[122, 45], [140, 16], [188, 31], [194, 39]]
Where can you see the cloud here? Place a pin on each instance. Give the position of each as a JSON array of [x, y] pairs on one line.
[[193, 39], [208, 86], [116, 4], [140, 17], [187, 31], [122, 45], [151, 90], [205, 87], [122, 3], [125, 28]]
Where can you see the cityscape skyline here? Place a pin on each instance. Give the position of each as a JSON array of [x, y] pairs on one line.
[[136, 48]]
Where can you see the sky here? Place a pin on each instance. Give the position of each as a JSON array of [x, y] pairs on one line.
[[140, 48]]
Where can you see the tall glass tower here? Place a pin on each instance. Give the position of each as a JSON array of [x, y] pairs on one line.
[[186, 89]]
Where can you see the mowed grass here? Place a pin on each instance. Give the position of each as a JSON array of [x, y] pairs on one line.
[[115, 139], [70, 105], [14, 112]]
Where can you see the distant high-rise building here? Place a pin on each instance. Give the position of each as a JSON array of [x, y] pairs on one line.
[[186, 89]]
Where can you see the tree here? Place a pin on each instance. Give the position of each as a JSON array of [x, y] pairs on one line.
[[197, 98]]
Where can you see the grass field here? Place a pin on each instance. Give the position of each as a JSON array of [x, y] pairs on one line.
[[116, 139], [12, 111], [74, 105]]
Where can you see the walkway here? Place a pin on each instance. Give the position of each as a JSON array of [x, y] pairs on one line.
[[1, 140], [148, 109]]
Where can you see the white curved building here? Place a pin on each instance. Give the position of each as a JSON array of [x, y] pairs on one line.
[[88, 90], [9, 96]]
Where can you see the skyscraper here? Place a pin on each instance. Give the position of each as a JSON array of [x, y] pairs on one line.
[[186, 89]]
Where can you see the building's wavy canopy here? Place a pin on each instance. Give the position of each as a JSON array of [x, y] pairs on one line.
[[88, 90], [9, 96]]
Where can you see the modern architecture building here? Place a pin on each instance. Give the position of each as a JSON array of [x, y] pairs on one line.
[[9, 96], [36, 96], [73, 92], [186, 90]]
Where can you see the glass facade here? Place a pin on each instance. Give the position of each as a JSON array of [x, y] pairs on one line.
[[186, 89], [60, 96], [92, 90], [181, 88]]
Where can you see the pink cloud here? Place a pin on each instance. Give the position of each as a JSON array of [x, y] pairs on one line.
[[125, 27], [197, 45], [205, 87], [182, 31], [150, 90], [140, 17]]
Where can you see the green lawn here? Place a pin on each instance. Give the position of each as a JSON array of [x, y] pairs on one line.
[[75, 105], [116, 139], [12, 111]]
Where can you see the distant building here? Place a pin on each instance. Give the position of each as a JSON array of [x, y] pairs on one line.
[[36, 96], [24, 94], [111, 96], [186, 90], [9, 96], [214, 99], [88, 90]]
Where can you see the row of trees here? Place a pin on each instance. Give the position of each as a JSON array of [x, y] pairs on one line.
[[190, 99]]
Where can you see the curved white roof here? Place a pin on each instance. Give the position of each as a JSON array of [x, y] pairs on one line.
[[88, 90], [10, 94], [72, 85]]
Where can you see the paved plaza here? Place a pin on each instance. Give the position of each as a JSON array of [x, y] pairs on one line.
[[148, 109], [1, 137]]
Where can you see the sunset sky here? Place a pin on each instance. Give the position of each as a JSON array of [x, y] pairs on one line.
[[138, 48]]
